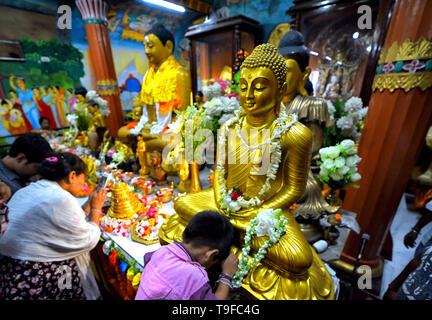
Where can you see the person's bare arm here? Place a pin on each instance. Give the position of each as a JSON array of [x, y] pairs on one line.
[[5, 191], [229, 267]]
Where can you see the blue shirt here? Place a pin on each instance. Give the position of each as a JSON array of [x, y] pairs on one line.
[[10, 178]]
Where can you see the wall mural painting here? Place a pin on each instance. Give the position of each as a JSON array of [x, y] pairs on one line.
[[127, 25], [42, 86]]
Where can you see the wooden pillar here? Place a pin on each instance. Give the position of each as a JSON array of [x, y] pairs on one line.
[[399, 116], [94, 14]]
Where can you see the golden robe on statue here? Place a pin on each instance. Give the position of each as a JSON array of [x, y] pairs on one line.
[[161, 86], [291, 269]]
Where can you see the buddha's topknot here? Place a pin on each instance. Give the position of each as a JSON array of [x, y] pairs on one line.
[[266, 55]]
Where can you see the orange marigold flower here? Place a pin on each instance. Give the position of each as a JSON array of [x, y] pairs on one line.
[[337, 216], [293, 207]]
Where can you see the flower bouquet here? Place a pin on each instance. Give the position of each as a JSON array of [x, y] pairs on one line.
[[338, 165], [347, 121], [218, 108]]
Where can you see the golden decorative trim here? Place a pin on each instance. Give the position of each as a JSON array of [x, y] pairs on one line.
[[405, 81], [108, 87], [348, 268], [408, 50]]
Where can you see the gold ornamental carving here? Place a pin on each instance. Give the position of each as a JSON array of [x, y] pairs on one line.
[[408, 50], [405, 81]]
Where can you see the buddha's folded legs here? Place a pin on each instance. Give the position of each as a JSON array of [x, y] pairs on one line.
[[186, 207], [291, 268]]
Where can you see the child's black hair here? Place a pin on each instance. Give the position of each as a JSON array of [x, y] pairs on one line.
[[57, 166], [210, 228]]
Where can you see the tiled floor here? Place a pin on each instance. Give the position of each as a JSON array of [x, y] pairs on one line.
[[403, 221]]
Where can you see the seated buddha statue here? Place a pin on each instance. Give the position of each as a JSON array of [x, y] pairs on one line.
[[166, 87], [291, 269], [313, 113]]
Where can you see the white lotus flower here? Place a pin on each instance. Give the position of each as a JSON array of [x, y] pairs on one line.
[[92, 95], [347, 144], [266, 221], [353, 104], [328, 164], [225, 118], [234, 205], [362, 113], [343, 170], [339, 162], [333, 152], [336, 176], [352, 160], [355, 177], [345, 122]]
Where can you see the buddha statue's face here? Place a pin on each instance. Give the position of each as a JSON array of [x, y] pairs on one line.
[[259, 91], [295, 80], [155, 51]]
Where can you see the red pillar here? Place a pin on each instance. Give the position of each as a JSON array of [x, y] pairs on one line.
[[400, 113], [94, 14]]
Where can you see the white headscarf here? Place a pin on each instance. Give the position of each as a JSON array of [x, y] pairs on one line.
[[47, 224]]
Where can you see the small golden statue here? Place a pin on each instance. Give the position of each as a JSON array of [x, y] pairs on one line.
[[184, 175], [156, 172], [291, 269], [124, 205], [140, 151]]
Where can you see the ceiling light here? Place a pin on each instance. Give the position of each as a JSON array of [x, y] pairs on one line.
[[368, 49], [167, 5], [355, 35], [313, 53]]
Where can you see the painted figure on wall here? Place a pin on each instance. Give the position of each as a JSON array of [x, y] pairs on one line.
[[11, 118], [53, 99], [44, 109], [49, 100], [29, 106], [16, 105]]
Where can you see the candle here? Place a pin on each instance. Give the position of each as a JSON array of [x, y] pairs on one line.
[[191, 99]]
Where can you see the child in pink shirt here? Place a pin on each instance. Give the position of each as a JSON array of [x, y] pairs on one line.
[[178, 271]]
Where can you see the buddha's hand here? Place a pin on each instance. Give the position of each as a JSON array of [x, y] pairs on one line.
[[229, 265]]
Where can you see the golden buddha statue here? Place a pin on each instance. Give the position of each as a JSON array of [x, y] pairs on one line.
[[291, 268], [313, 113], [166, 87], [96, 121], [140, 151]]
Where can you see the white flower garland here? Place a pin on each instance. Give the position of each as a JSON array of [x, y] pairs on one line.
[[276, 155], [267, 221]]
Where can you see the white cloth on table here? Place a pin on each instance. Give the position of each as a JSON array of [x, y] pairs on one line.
[[47, 224]]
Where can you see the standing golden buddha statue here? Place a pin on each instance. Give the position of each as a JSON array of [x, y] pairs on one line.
[[313, 113], [291, 268]]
